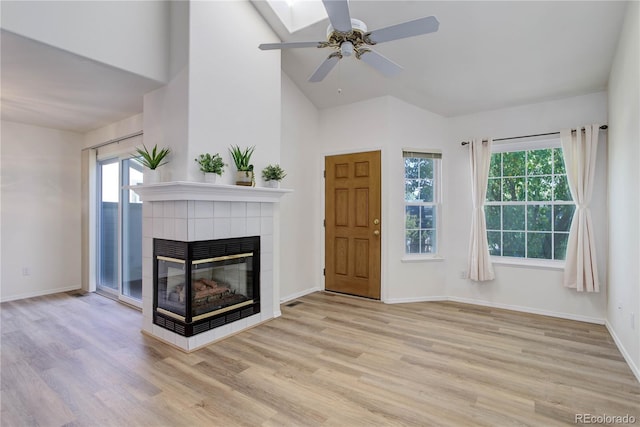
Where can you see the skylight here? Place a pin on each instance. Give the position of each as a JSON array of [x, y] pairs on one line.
[[298, 14]]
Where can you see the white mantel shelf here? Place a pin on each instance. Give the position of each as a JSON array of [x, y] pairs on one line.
[[185, 190]]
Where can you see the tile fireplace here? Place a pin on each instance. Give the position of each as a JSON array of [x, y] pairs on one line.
[[188, 214]]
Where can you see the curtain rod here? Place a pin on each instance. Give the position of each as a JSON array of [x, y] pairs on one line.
[[114, 141], [603, 127]]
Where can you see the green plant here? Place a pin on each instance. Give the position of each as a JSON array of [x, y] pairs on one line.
[[152, 159], [273, 173], [211, 163], [242, 157]]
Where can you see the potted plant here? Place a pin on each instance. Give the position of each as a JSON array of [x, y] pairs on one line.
[[242, 160], [152, 160], [211, 165], [273, 174]]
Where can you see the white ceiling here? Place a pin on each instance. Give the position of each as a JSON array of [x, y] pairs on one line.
[[486, 55], [49, 87]]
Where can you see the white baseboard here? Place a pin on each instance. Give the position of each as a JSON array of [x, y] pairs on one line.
[[40, 293], [299, 294], [414, 299], [623, 351], [559, 315], [497, 305]]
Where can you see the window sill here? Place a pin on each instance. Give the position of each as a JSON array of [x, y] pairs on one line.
[[421, 258], [528, 262]]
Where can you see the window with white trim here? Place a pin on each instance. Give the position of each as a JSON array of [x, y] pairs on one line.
[[422, 202], [529, 207]]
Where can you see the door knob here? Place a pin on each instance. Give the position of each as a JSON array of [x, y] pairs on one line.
[[376, 232]]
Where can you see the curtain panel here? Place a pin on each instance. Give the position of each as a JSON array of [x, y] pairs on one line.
[[479, 267], [579, 148]]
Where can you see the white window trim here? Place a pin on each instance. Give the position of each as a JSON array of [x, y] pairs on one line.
[[437, 196], [528, 144], [548, 264]]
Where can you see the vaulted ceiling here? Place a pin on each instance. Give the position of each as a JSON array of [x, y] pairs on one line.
[[486, 55]]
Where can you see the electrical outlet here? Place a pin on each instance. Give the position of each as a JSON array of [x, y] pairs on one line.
[[463, 274], [26, 271], [633, 320]]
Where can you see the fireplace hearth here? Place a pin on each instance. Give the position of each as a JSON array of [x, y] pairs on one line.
[[201, 285]]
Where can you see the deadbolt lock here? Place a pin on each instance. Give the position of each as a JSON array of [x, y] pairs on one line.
[[376, 221]]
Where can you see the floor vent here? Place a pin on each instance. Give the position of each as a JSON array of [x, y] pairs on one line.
[[79, 294], [293, 304]]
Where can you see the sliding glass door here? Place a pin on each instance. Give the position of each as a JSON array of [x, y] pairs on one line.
[[131, 232], [119, 234]]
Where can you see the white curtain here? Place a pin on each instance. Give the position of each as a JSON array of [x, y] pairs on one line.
[[479, 268], [579, 148]]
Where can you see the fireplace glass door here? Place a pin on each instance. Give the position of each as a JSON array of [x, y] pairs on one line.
[[221, 282], [203, 285]]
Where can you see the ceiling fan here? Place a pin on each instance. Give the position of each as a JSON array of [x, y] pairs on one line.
[[348, 36]]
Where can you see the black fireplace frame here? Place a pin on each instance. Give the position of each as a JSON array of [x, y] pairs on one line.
[[200, 250]]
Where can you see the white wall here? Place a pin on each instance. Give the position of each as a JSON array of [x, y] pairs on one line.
[[117, 130], [40, 210], [300, 265], [234, 88], [165, 120], [413, 128], [389, 125], [530, 289], [130, 35], [623, 308]]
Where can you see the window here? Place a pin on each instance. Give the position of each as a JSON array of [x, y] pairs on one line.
[[422, 201], [529, 207]]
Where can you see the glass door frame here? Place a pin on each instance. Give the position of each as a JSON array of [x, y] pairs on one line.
[[117, 293]]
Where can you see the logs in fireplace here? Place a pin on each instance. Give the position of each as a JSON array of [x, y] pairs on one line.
[[202, 285]]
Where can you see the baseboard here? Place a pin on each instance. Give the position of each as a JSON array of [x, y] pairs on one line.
[[414, 299], [299, 294], [40, 293], [623, 351], [559, 315]]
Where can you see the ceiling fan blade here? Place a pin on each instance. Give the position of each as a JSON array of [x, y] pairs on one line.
[[338, 11], [382, 64], [327, 65], [289, 45], [407, 29]]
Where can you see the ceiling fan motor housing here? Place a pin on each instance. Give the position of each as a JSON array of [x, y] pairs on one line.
[[349, 41]]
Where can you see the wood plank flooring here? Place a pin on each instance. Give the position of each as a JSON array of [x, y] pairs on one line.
[[330, 360]]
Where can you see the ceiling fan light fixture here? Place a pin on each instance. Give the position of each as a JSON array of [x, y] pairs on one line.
[[346, 48], [347, 36]]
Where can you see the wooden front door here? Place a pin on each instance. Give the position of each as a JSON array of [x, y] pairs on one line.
[[352, 224]]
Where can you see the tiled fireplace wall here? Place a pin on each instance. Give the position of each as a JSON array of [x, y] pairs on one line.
[[189, 220]]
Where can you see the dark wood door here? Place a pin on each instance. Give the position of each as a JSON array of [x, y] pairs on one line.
[[352, 224]]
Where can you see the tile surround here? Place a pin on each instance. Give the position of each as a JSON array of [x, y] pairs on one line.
[[192, 220]]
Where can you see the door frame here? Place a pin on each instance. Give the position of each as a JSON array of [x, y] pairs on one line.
[[118, 155], [383, 214]]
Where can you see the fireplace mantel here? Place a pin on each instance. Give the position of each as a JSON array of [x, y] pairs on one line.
[[185, 190]]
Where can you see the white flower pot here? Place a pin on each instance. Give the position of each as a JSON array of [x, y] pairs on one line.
[[273, 184], [210, 177], [151, 176]]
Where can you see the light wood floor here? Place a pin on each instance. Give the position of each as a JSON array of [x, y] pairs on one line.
[[330, 360]]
